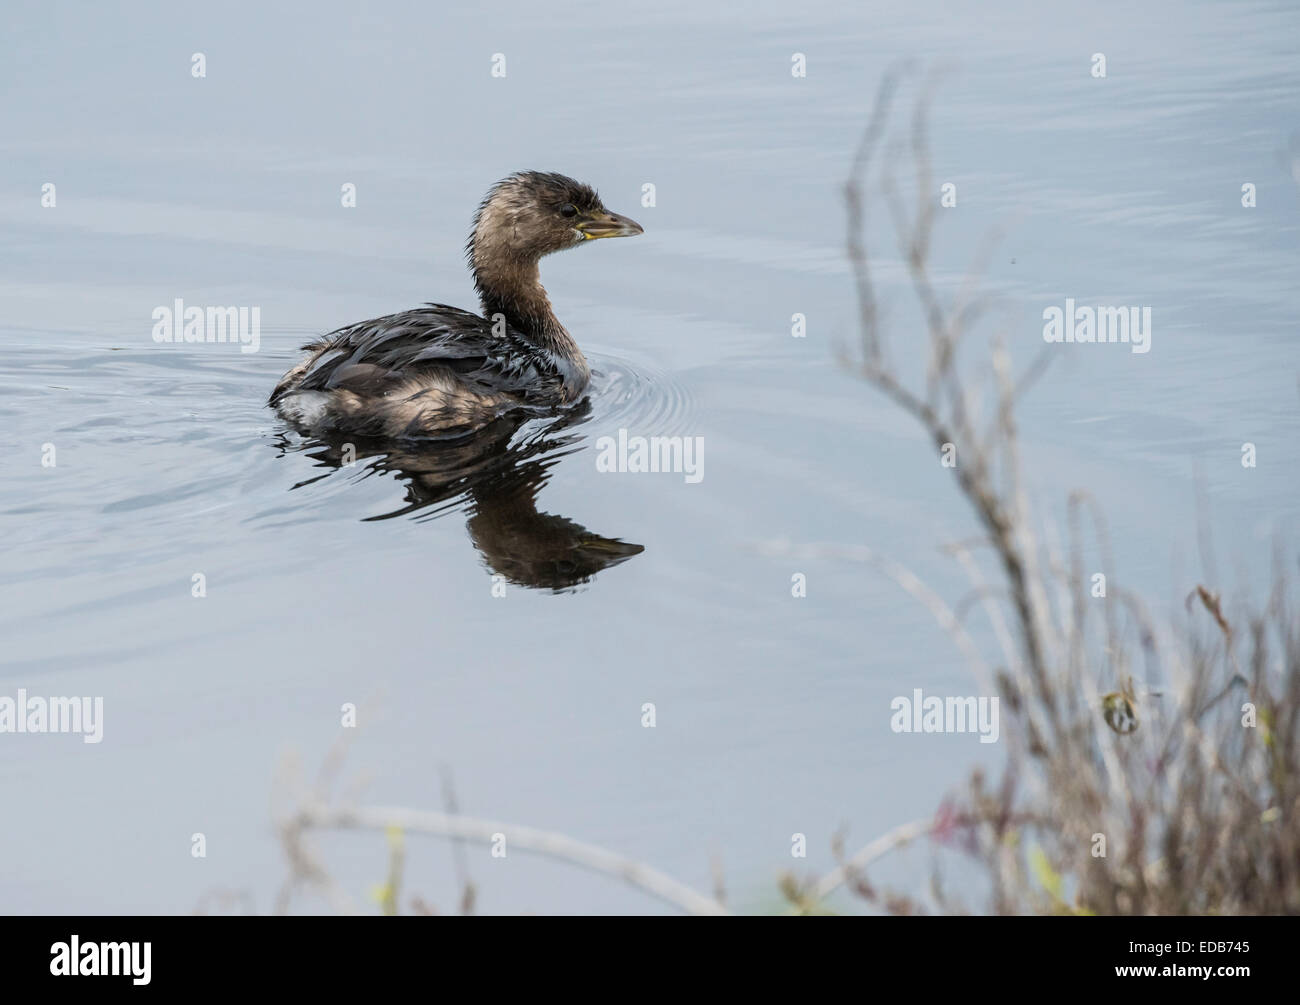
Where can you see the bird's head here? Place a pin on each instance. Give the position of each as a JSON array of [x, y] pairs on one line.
[[532, 213]]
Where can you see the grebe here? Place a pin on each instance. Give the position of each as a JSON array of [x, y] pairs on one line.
[[439, 371]]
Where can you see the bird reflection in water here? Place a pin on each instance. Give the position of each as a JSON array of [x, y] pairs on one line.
[[495, 478]]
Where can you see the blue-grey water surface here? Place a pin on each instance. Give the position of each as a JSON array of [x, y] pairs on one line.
[[772, 712]]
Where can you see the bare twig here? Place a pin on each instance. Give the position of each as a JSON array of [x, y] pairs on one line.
[[315, 816]]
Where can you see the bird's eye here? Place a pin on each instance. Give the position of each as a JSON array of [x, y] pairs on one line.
[[568, 209]]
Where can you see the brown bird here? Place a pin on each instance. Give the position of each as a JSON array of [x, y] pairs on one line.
[[438, 371]]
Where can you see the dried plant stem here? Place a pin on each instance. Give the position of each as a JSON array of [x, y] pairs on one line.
[[316, 816], [899, 837]]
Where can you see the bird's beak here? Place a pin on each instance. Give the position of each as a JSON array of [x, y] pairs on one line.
[[608, 225]]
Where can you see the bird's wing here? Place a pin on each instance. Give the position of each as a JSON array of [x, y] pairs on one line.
[[374, 356]]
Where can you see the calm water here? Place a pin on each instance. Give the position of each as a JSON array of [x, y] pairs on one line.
[[772, 711]]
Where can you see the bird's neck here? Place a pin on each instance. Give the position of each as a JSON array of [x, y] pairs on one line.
[[512, 291]]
